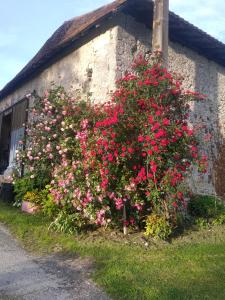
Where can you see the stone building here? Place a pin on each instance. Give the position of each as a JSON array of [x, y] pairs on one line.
[[88, 53]]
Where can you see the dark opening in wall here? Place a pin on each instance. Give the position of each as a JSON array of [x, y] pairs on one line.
[[5, 138]]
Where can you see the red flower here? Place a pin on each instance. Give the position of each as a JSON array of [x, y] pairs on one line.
[[154, 168], [166, 122], [180, 195], [140, 138], [130, 150], [190, 132], [159, 134], [175, 205], [147, 82], [184, 128], [156, 148], [153, 143], [155, 127], [150, 119], [164, 143], [116, 154], [110, 157]]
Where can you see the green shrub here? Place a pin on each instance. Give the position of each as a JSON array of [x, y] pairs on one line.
[[44, 199], [33, 197], [67, 223], [205, 206], [49, 207], [21, 187], [220, 220], [202, 223], [157, 227], [28, 184]]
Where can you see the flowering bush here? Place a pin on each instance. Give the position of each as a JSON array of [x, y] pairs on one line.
[[117, 162]]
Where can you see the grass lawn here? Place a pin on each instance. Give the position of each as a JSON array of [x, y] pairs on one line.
[[190, 267]]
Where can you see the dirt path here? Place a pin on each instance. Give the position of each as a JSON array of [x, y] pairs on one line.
[[27, 277]]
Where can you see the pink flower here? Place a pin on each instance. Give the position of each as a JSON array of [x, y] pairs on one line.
[[47, 128], [111, 195], [84, 123], [138, 206], [118, 203], [100, 217]]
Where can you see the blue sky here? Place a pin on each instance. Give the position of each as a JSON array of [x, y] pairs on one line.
[[25, 25]]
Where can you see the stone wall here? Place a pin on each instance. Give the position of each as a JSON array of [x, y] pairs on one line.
[[199, 74], [132, 38], [87, 71], [208, 78]]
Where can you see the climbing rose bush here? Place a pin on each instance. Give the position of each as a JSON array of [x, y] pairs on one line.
[[116, 163]]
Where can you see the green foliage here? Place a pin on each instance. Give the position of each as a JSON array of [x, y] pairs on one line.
[[49, 207], [21, 187], [42, 177], [158, 227], [202, 223], [33, 197], [220, 220], [38, 197], [205, 206], [67, 223], [206, 211], [28, 184]]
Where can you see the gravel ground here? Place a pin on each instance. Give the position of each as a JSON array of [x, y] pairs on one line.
[[23, 276]]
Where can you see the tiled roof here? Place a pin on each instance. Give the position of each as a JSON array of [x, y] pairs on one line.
[[71, 31]]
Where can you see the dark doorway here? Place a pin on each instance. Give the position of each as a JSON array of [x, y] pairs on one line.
[[5, 139]]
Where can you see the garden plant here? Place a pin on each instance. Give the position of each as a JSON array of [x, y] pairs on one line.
[[122, 163]]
